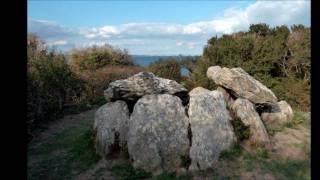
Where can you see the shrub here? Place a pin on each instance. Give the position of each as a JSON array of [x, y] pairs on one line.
[[166, 68], [96, 82], [93, 58], [50, 82], [97, 67], [242, 131], [261, 29], [199, 77], [278, 58]]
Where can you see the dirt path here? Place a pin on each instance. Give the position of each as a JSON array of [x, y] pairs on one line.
[[66, 122]]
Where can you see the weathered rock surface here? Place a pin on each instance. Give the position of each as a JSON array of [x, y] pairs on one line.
[[212, 131], [111, 127], [241, 84], [227, 96], [158, 133], [245, 110], [278, 114], [141, 84], [198, 91]]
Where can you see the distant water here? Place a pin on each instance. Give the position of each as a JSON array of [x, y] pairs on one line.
[[145, 60]]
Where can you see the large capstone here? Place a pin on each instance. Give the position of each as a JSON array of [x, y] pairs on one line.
[[278, 114], [211, 129], [158, 138], [111, 127], [245, 110], [143, 83], [241, 84]]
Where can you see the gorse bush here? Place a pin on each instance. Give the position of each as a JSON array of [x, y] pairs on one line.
[[55, 83], [278, 57], [98, 66], [167, 68], [95, 57], [97, 81], [50, 81], [198, 76]]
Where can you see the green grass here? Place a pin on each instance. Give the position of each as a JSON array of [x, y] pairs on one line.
[[299, 117], [262, 161], [127, 172], [231, 153], [172, 176], [70, 152], [99, 172], [63, 155], [282, 169], [289, 169]]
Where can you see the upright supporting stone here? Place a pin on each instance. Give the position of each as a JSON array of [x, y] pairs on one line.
[[111, 127], [245, 110], [158, 136], [211, 129]]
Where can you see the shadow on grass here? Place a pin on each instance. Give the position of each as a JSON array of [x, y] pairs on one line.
[[64, 155]]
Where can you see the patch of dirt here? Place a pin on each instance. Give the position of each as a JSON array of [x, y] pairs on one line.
[[292, 143], [57, 126], [102, 170], [246, 175]]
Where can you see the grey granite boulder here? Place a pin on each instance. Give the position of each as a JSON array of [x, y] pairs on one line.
[[158, 133], [111, 127], [241, 84], [245, 110], [198, 91], [211, 129], [278, 114], [141, 84]]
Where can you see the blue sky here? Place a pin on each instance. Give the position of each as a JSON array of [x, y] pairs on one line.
[[154, 27]]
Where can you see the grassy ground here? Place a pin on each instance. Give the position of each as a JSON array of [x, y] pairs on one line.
[[65, 151]]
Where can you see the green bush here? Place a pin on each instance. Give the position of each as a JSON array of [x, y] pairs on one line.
[[198, 76], [50, 83], [57, 85], [277, 57], [241, 130], [95, 82], [97, 67], [166, 68], [93, 58]]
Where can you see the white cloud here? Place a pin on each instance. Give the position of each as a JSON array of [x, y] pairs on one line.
[[179, 43], [151, 37], [58, 42], [105, 32], [234, 19]]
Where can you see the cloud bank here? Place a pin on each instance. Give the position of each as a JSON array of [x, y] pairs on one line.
[[165, 38]]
